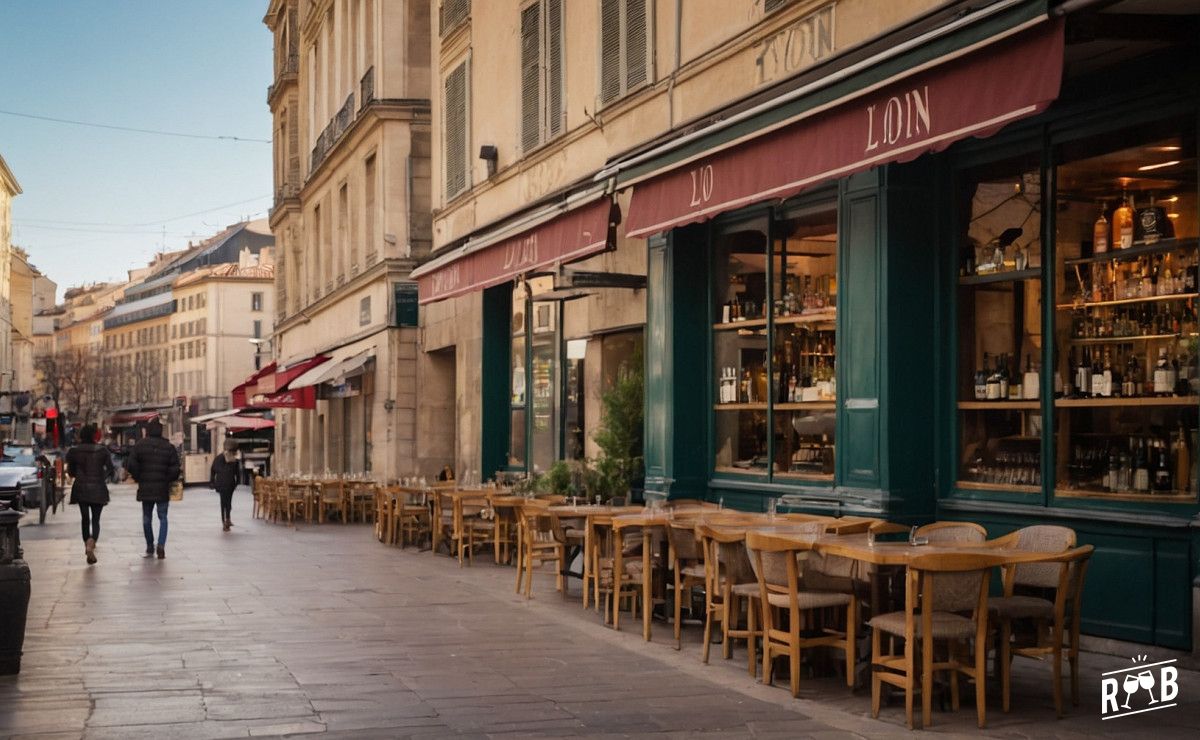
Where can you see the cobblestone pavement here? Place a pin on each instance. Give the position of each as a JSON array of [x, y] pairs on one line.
[[271, 630]]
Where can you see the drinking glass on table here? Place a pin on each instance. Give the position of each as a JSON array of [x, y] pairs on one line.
[[772, 507]]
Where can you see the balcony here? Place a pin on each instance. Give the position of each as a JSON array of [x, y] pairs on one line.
[[288, 70], [333, 131], [366, 92]]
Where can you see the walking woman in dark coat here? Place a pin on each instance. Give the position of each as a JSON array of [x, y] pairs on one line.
[[90, 465], [224, 478]]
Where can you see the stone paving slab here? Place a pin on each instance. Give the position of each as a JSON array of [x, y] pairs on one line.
[[273, 631]]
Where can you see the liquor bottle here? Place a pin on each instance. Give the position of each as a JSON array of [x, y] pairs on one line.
[[1122, 223], [1141, 468], [1004, 378], [1128, 383], [1031, 381], [1164, 375], [1112, 476], [1162, 467], [744, 395], [1100, 233], [1151, 224], [993, 383], [1183, 459], [1106, 376]]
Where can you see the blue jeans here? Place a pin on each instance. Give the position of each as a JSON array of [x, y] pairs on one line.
[[147, 524]]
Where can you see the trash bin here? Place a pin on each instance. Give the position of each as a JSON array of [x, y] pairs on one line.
[[14, 594]]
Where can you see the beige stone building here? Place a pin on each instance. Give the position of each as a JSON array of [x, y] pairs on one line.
[[352, 147], [28, 290], [9, 189]]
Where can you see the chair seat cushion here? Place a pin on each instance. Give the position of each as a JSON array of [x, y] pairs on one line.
[[946, 626], [747, 589], [810, 599], [1021, 607]]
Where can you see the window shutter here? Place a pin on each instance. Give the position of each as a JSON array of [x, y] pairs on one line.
[[453, 12], [456, 131], [530, 76], [770, 6], [554, 61], [635, 43], [610, 50]]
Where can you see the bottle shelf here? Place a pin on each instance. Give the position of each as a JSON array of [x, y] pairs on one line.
[[822, 317], [1165, 497], [971, 485], [1007, 276], [1134, 252], [1120, 401], [740, 406], [1137, 338], [747, 324], [1128, 301], [807, 406], [1019, 405]]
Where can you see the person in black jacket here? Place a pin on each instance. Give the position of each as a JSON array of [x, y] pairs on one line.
[[90, 465], [154, 464], [224, 478]]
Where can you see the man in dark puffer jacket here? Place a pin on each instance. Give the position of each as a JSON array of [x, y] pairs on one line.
[[154, 464]]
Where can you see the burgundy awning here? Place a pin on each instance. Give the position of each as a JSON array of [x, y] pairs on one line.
[[572, 235], [127, 419], [926, 111], [300, 398], [278, 381], [235, 423], [240, 393]]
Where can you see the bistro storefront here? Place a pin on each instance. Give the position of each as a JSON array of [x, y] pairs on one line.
[[954, 279]]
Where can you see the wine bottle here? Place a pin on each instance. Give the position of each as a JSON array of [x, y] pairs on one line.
[[1122, 223], [993, 383], [1100, 233], [1004, 378], [1162, 467], [1141, 468], [981, 380], [1031, 381]]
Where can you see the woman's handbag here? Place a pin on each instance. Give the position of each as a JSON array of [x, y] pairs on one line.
[[177, 490]]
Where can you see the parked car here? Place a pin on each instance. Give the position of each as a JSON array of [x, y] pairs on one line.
[[21, 483]]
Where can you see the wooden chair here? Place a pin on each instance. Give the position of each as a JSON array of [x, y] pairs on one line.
[[956, 532], [687, 563], [442, 521], [296, 501], [471, 528], [412, 522], [331, 498], [257, 486], [625, 586], [1056, 620], [774, 560], [360, 501], [935, 614], [541, 539]]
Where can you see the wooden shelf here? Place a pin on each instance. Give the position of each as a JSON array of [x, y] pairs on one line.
[[1134, 252], [1130, 402], [740, 406], [1128, 301], [1164, 498], [970, 485], [823, 317], [1007, 276], [822, 477], [1138, 338], [1024, 405], [747, 324], [807, 406]]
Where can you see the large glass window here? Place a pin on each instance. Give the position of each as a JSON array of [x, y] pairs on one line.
[[534, 400], [774, 346], [999, 327], [1125, 315]]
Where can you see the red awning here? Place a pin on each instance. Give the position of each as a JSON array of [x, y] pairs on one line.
[[926, 111], [240, 393], [278, 381], [131, 418], [299, 398], [572, 235]]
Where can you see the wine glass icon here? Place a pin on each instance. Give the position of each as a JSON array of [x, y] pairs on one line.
[[1146, 680], [1130, 684]]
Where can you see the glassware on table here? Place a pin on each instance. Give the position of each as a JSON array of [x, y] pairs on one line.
[[870, 538], [772, 507], [721, 503]]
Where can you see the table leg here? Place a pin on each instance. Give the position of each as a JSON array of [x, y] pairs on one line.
[[647, 583], [587, 563], [618, 569]]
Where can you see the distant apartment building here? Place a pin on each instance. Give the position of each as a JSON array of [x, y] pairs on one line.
[[9, 189], [351, 214]]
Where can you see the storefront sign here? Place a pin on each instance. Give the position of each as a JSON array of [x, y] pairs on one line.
[[571, 236], [926, 111], [405, 295], [300, 398], [796, 47]]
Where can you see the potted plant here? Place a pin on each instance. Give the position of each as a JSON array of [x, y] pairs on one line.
[[618, 470]]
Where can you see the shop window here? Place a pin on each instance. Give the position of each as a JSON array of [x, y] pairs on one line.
[[774, 342], [516, 453], [1125, 315], [999, 327], [256, 301], [536, 403], [624, 48]]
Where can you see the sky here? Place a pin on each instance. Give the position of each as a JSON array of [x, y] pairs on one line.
[[97, 201]]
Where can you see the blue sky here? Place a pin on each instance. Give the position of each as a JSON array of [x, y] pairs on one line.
[[96, 201]]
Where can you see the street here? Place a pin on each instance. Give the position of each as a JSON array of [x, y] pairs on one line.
[[270, 630]]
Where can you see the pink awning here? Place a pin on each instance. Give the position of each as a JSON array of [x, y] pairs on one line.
[[573, 235], [926, 111], [235, 423], [241, 391], [278, 381]]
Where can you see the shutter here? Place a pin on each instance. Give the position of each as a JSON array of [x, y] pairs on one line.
[[456, 131], [453, 12], [554, 74], [531, 49], [771, 6], [635, 43], [610, 50]]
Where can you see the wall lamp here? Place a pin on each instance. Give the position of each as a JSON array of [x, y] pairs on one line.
[[488, 153]]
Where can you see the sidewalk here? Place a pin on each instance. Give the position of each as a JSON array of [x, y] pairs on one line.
[[269, 630]]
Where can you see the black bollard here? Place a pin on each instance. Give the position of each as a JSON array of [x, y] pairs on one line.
[[14, 594]]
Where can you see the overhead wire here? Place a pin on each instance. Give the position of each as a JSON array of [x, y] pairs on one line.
[[154, 132]]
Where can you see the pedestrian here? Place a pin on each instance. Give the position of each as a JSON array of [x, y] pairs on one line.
[[89, 464], [154, 464], [224, 478]]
